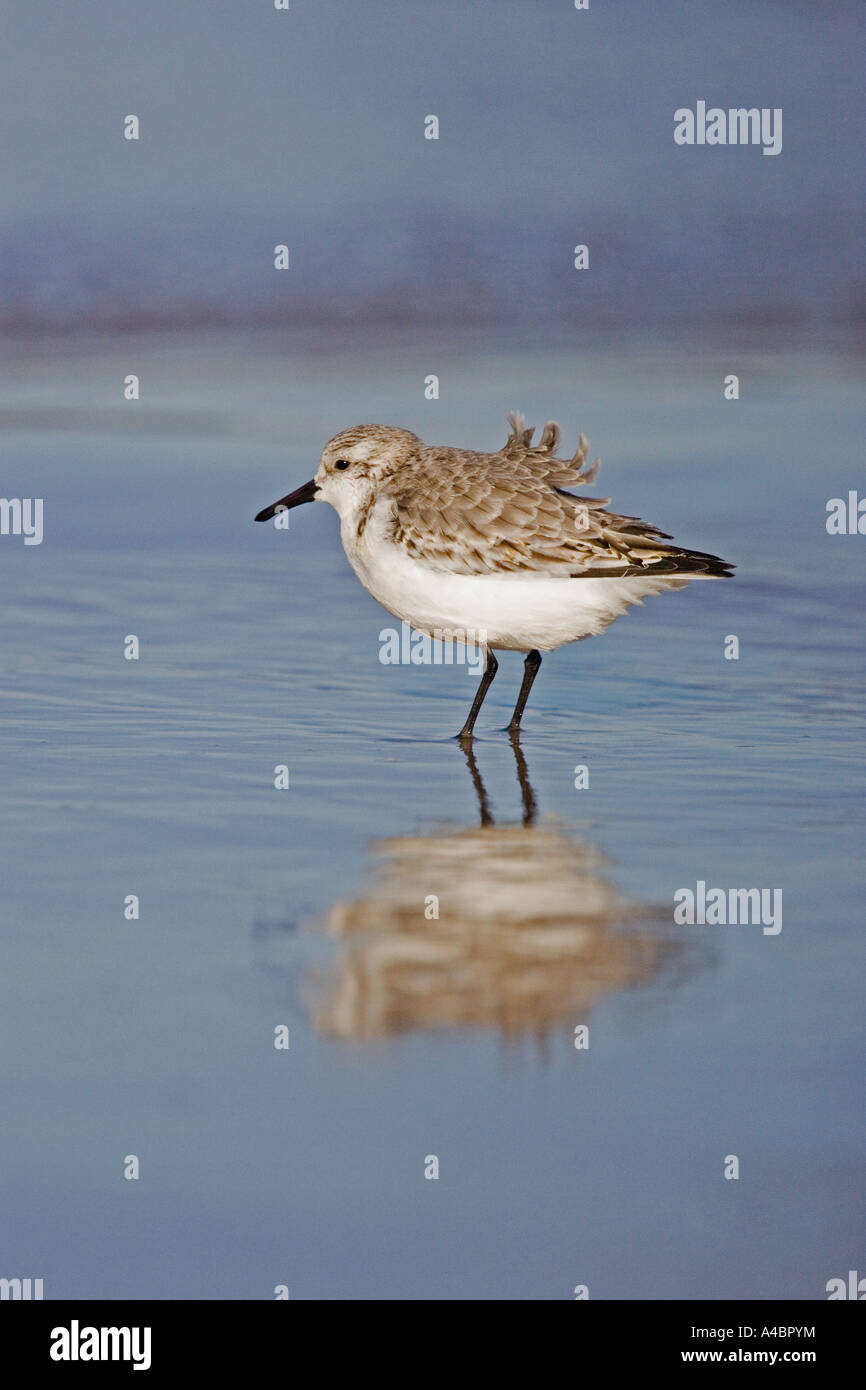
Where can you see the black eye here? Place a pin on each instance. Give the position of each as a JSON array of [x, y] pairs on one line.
[[342, 463]]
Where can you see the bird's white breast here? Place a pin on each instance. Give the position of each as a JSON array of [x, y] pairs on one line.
[[511, 611]]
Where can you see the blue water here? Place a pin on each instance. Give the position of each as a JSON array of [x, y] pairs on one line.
[[155, 777]]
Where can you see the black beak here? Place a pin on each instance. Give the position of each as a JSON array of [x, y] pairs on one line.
[[306, 493]]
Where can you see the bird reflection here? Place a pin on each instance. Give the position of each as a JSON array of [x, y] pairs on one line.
[[511, 927]]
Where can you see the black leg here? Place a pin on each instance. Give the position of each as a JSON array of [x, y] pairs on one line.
[[483, 686], [530, 671], [527, 795], [480, 789]]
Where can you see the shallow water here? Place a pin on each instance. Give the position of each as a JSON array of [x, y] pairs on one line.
[[412, 1036]]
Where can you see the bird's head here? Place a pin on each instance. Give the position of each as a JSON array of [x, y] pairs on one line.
[[352, 466]]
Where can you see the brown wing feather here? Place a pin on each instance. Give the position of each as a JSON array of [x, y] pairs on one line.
[[474, 513]]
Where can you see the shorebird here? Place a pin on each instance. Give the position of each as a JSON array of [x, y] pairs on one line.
[[456, 542]]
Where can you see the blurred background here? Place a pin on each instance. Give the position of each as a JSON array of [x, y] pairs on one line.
[[305, 127]]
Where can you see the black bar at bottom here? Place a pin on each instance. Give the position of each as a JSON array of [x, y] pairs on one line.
[[153, 1338]]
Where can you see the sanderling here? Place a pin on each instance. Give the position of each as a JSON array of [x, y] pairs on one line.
[[456, 542]]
